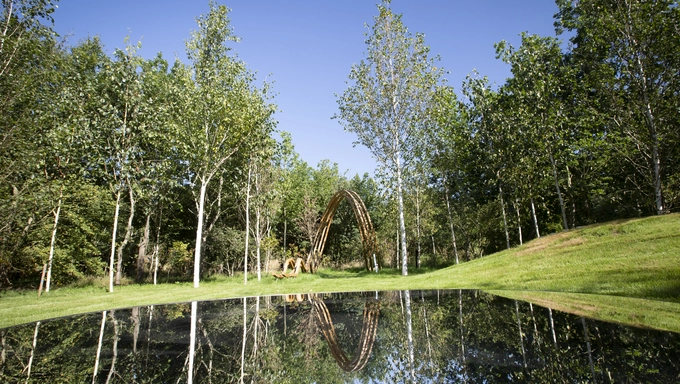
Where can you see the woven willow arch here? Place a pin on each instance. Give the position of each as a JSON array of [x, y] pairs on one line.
[[365, 229], [368, 331]]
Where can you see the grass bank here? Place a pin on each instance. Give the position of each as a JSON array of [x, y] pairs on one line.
[[626, 271]]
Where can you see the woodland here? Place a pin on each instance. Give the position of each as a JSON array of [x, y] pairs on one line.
[[127, 169]]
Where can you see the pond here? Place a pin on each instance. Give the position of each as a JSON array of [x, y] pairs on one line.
[[396, 336]]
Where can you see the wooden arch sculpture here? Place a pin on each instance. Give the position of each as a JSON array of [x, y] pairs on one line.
[[368, 331], [365, 229]]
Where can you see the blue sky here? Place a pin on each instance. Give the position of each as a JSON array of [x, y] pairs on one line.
[[307, 47]]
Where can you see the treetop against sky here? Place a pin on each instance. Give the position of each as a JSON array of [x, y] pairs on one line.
[[307, 48]]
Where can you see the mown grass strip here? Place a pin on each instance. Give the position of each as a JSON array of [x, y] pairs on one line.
[[637, 258]]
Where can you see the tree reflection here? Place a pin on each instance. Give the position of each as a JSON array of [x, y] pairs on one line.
[[368, 332], [447, 336]]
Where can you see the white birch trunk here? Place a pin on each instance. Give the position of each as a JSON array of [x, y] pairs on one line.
[[141, 253], [285, 231], [418, 228], [559, 192], [409, 336], [53, 241], [113, 241], [533, 215], [402, 225], [99, 348], [519, 222], [243, 348], [30, 360], [521, 335], [552, 327], [505, 220], [199, 233], [128, 234], [245, 256], [453, 233], [114, 358], [258, 235], [654, 136], [192, 342], [156, 247]]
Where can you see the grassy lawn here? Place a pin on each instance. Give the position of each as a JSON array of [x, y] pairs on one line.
[[626, 271]]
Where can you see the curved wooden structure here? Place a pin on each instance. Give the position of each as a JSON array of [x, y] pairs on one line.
[[368, 332], [365, 229]]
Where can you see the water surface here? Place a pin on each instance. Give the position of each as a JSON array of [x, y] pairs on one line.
[[397, 336]]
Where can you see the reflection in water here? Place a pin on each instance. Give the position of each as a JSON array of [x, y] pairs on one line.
[[444, 336], [368, 332]]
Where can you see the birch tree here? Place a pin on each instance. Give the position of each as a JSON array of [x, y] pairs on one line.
[[220, 110], [630, 51], [387, 98]]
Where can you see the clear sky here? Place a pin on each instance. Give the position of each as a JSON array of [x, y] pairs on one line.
[[307, 47]]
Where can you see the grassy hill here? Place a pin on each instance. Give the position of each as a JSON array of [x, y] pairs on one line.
[[626, 271]]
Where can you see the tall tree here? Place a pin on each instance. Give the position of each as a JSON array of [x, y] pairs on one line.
[[386, 103], [539, 72], [630, 49], [221, 109]]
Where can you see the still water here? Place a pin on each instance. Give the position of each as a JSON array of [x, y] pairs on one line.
[[393, 337]]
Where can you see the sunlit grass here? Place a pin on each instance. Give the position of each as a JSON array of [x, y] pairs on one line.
[[597, 266]]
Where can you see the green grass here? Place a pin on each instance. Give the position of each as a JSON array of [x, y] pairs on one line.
[[626, 271]]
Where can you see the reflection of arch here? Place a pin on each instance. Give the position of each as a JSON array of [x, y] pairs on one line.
[[368, 332], [363, 221]]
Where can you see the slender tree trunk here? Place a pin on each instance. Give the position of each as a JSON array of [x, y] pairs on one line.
[[434, 249], [505, 220], [559, 192], [417, 228], [115, 347], [572, 199], [141, 254], [54, 239], [460, 317], [409, 336], [519, 222], [552, 327], [148, 332], [245, 335], [533, 320], [128, 234], [258, 235], [134, 317], [654, 136], [396, 247], [192, 342], [285, 230], [448, 208], [245, 256], [256, 325], [30, 360], [586, 335], [199, 232], [99, 348], [3, 353], [427, 334], [154, 257], [402, 225], [113, 241], [533, 215], [521, 335]]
